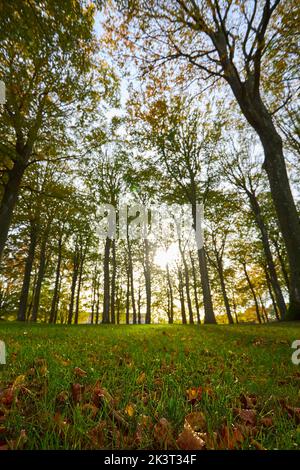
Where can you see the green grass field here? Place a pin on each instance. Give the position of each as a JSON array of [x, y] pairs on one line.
[[149, 387]]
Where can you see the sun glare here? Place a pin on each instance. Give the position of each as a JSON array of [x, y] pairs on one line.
[[164, 257]]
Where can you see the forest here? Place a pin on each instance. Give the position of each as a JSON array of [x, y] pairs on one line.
[[129, 129]]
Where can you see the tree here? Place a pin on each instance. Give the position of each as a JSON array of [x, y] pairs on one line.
[[235, 42], [47, 57]]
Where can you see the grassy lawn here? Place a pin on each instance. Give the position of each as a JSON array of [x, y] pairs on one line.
[[149, 387]]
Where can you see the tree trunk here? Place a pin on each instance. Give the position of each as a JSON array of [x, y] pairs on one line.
[[127, 319], [264, 310], [187, 283], [195, 289], [147, 282], [130, 267], [27, 273], [271, 293], [282, 263], [181, 297], [9, 200], [171, 306], [40, 276], [260, 119], [268, 254], [253, 292], [73, 285], [139, 306], [78, 289], [56, 286], [113, 284], [209, 316], [223, 287], [106, 292]]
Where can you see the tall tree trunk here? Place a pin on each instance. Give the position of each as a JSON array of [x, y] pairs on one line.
[[263, 308], [130, 268], [9, 200], [181, 297], [147, 275], [40, 276], [209, 316], [79, 289], [106, 291], [171, 297], [73, 285], [187, 283], [258, 116], [139, 306], [113, 283], [56, 286], [234, 308], [268, 254], [282, 263], [253, 292], [127, 318], [27, 273], [271, 293], [223, 287], [195, 289]]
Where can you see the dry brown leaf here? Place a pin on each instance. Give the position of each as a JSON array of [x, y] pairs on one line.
[[195, 421], [80, 372], [247, 417], [141, 378], [267, 421], [97, 435], [190, 440], [163, 433], [248, 401], [77, 392]]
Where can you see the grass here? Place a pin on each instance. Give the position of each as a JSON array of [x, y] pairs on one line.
[[142, 374]]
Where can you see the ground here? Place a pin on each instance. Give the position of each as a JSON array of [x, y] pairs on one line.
[[149, 387]]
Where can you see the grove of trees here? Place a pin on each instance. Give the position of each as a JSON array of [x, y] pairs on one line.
[[149, 105]]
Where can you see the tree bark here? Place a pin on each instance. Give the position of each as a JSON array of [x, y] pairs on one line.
[[73, 285], [260, 119], [147, 275], [27, 273], [40, 276], [56, 286], [181, 297], [171, 297], [9, 200], [268, 254], [223, 288], [78, 289], [106, 292], [187, 283], [195, 289], [253, 292], [113, 284], [271, 293]]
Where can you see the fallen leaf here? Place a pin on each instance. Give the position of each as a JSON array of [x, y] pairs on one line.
[[80, 372], [130, 409], [141, 378], [77, 392], [189, 440], [246, 416], [267, 421], [195, 421], [248, 401], [163, 433], [97, 435]]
